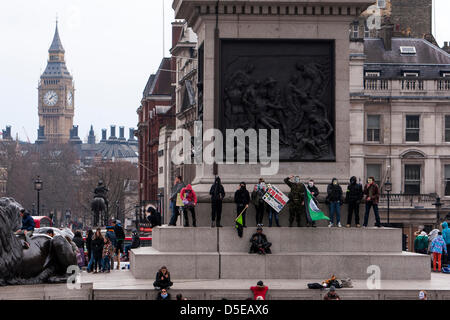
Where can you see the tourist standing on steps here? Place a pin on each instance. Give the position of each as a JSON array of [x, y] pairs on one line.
[[372, 197], [257, 199], [97, 250], [217, 193], [242, 199], [78, 240], [296, 199], [178, 184], [120, 237], [353, 198], [108, 251], [335, 200], [189, 199], [421, 243], [446, 237], [437, 248], [89, 236], [162, 280]]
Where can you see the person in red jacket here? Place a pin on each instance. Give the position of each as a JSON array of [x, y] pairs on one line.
[[259, 292], [189, 199]]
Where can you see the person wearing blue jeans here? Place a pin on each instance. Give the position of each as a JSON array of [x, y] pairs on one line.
[[176, 189], [335, 199], [91, 262], [273, 213], [335, 208]]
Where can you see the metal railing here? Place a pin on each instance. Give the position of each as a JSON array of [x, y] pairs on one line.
[[408, 200], [436, 86]]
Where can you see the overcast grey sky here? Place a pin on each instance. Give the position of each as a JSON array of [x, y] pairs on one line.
[[111, 48]]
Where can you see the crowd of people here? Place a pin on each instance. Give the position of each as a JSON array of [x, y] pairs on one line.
[[98, 252], [183, 199], [436, 244]]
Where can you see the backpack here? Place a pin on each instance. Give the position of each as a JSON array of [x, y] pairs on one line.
[[446, 269], [315, 286]]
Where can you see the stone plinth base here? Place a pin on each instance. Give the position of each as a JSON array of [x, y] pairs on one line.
[[298, 253]]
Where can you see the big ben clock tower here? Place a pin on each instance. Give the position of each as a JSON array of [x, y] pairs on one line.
[[56, 95]]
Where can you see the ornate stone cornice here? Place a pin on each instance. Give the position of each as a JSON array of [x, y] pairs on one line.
[[191, 10]]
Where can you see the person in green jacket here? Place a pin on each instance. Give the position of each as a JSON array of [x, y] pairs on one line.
[[421, 243]]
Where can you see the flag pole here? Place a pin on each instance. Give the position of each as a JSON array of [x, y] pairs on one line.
[[240, 214]]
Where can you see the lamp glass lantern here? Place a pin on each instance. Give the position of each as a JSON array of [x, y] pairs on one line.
[[38, 184], [388, 186]]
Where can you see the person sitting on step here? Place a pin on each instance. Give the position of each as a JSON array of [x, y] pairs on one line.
[[259, 242]]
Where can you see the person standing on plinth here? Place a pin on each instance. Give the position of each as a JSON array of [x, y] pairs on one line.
[[296, 199], [178, 184], [189, 199], [257, 199], [217, 193], [353, 198], [372, 196], [315, 193], [335, 200], [242, 199]]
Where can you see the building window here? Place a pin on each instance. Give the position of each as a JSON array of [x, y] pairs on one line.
[[381, 4], [447, 179], [412, 128], [412, 178], [410, 74], [366, 31], [372, 73], [355, 31], [447, 128], [373, 128], [374, 170]]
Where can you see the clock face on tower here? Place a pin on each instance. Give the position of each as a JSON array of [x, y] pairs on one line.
[[50, 98], [69, 98]]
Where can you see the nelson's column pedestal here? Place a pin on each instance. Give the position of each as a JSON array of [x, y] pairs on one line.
[[287, 62], [274, 65]]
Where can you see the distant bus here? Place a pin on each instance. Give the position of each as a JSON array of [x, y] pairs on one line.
[[42, 222]]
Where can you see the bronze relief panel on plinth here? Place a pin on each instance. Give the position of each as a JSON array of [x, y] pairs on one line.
[[281, 84]]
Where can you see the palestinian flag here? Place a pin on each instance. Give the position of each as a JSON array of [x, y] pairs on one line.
[[240, 225], [313, 213]]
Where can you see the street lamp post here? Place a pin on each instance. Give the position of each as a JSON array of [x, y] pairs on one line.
[[161, 205], [136, 212], [38, 188], [438, 205], [388, 189]]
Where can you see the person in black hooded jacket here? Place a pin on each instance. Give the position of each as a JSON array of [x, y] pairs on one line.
[[335, 200], [242, 199], [217, 193], [353, 197]]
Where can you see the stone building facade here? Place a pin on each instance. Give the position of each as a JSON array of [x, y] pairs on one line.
[[185, 53], [155, 112], [400, 118]]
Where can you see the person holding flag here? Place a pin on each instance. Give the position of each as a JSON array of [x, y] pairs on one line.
[[242, 199], [313, 213]]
